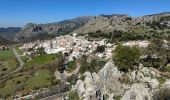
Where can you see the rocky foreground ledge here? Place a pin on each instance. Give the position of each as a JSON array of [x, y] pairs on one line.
[[111, 84]]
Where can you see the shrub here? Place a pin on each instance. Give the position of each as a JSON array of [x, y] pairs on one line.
[[117, 97], [126, 57], [161, 53], [125, 79], [161, 80], [73, 96]]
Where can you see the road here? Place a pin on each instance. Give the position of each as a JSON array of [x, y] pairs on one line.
[[18, 58], [55, 97], [19, 68], [73, 72]]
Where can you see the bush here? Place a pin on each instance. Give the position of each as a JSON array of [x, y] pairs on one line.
[[162, 54], [126, 57], [125, 79], [117, 97], [73, 96], [162, 94]]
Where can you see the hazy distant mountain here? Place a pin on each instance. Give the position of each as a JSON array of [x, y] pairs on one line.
[[9, 33], [42, 31]]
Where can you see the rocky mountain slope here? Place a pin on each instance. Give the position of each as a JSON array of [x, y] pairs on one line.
[[110, 23], [32, 30]]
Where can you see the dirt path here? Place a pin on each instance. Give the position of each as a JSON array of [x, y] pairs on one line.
[[73, 72]]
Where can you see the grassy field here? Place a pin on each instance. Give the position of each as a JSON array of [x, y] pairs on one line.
[[7, 54], [8, 60], [11, 64], [42, 78], [39, 61], [8, 89]]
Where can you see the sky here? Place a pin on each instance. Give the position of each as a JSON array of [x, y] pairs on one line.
[[17, 13]]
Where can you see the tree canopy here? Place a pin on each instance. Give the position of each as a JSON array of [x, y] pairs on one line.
[[126, 57]]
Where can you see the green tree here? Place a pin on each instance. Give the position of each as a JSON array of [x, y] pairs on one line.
[[126, 57]]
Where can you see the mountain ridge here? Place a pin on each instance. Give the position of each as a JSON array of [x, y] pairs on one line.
[[124, 22], [92, 24]]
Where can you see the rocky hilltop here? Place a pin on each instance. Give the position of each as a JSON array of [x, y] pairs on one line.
[[106, 23], [110, 23], [38, 31]]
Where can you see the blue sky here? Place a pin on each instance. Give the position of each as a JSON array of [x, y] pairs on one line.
[[20, 12]]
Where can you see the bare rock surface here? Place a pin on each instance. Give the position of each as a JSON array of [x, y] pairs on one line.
[[137, 92], [106, 81]]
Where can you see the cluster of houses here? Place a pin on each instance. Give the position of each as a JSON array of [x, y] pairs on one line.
[[141, 44], [76, 46]]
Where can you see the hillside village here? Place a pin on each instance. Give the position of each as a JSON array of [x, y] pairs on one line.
[[109, 81], [76, 46]]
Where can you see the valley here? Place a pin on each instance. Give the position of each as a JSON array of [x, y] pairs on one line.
[[105, 57]]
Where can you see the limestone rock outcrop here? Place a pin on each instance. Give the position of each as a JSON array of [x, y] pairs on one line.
[[106, 81], [137, 92]]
